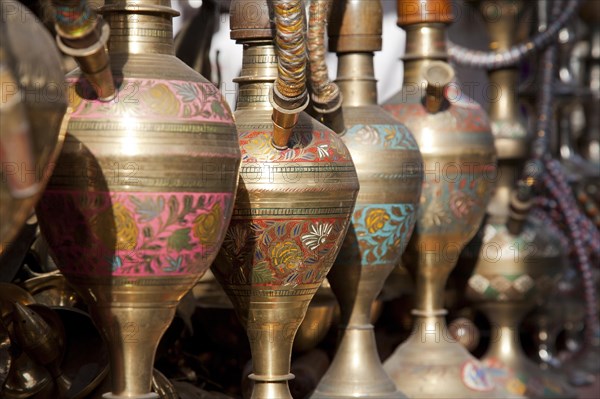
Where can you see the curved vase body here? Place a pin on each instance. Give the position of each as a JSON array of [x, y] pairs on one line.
[[143, 190], [389, 168], [291, 215], [32, 109], [457, 146]]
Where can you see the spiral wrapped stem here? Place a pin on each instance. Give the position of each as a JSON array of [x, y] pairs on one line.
[[289, 96], [326, 95]]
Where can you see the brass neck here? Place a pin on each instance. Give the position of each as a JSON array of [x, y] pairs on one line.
[[424, 43], [432, 267], [141, 27], [503, 105], [356, 79], [258, 74], [505, 318]]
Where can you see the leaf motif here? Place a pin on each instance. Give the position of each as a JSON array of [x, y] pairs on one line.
[[397, 211], [217, 108], [174, 264], [148, 209], [261, 274], [188, 203], [179, 240], [187, 91], [173, 209]]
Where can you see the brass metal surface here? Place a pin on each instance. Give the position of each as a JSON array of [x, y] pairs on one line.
[[460, 171], [508, 285], [389, 168], [82, 34], [291, 214], [503, 20], [143, 189], [33, 106]]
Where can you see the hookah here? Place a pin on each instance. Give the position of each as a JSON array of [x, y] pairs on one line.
[[555, 205], [33, 117], [457, 147], [388, 165], [143, 190], [295, 198], [520, 259]]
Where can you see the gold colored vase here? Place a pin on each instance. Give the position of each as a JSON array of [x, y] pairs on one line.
[[291, 214], [520, 259], [512, 274], [389, 168], [454, 136], [33, 106], [143, 190]]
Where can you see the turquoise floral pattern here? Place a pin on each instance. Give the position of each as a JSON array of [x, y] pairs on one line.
[[380, 232], [394, 136]]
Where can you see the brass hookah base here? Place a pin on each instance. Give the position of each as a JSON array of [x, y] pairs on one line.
[[508, 363], [356, 369], [431, 363]]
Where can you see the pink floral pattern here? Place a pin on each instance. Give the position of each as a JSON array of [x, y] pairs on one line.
[[135, 233], [152, 99]]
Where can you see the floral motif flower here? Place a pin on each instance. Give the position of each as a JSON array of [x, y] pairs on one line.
[[161, 100], [258, 145], [208, 225], [461, 204], [116, 227], [376, 219], [286, 256], [367, 135], [317, 236], [434, 215]]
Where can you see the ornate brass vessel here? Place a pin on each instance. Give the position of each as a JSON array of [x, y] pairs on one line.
[[509, 279], [520, 259], [33, 106], [143, 190], [292, 208], [389, 168], [457, 146]]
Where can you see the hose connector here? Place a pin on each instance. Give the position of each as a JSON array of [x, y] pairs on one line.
[[289, 96], [286, 112], [438, 75], [83, 34]]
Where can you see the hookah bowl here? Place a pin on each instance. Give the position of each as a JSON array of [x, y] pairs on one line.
[[143, 189], [33, 115], [291, 214], [512, 274], [389, 168], [456, 143]]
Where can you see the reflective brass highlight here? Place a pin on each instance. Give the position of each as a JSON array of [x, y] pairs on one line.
[[291, 214], [33, 108], [431, 363], [143, 190], [389, 168]]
